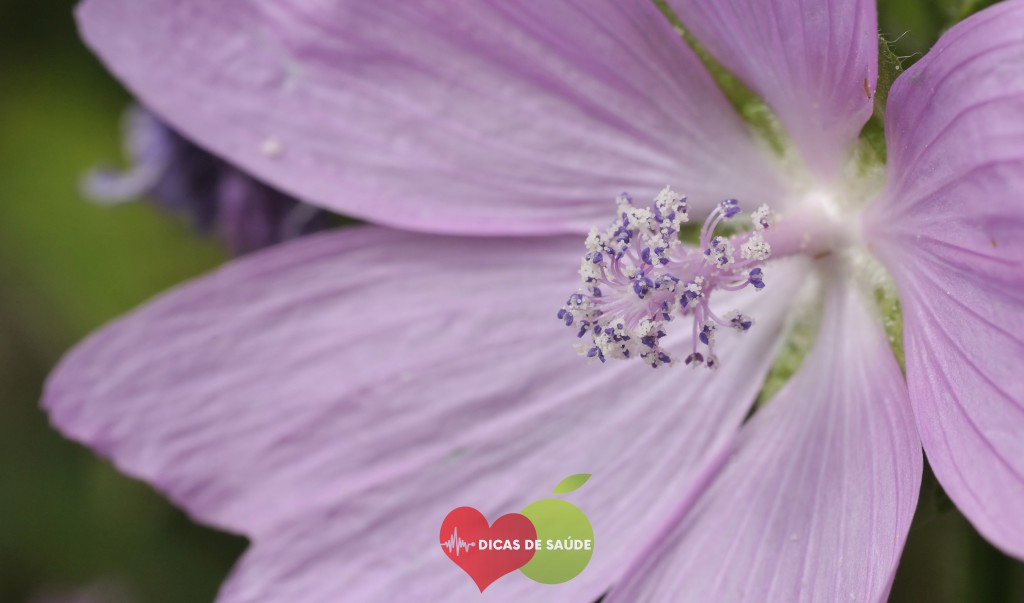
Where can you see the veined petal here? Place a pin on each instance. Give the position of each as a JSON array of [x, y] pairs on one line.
[[814, 62], [815, 500], [456, 116], [950, 227], [335, 397]]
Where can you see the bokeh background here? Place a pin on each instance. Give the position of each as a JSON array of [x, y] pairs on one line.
[[68, 521]]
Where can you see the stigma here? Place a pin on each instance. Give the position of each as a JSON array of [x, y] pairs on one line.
[[637, 276]]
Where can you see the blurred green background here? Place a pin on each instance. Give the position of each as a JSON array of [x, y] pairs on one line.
[[67, 520]]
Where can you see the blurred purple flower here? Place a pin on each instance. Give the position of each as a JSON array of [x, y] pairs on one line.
[[335, 397], [184, 179]]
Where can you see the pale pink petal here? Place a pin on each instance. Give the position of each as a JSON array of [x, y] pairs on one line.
[[335, 397], [458, 116], [815, 62], [950, 227], [815, 500]]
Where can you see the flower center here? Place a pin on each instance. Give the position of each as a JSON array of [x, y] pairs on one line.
[[638, 276]]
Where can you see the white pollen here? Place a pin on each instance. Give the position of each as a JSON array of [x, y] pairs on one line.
[[721, 252], [640, 218], [645, 328], [589, 271], [756, 248], [762, 217], [594, 242]]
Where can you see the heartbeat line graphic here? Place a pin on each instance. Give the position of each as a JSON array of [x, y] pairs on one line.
[[457, 544]]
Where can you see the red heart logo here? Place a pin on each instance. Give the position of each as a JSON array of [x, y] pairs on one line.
[[485, 552]]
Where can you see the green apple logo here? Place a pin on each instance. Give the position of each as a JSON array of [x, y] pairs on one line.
[[565, 535]]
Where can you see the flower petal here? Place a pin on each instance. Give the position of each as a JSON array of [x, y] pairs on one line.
[[335, 397], [815, 500], [815, 63], [950, 227], [457, 116]]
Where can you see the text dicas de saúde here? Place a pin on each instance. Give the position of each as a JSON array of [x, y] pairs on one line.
[[568, 544]]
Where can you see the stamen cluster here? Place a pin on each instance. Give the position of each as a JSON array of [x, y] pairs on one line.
[[637, 276]]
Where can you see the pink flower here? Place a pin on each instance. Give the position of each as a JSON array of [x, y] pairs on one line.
[[333, 398]]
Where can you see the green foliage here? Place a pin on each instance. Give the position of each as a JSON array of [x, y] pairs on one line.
[[888, 304], [890, 66]]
